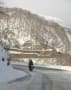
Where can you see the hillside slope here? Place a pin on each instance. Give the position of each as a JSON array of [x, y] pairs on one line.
[[22, 29]]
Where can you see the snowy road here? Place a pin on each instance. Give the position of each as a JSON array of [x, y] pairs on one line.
[[50, 80], [11, 79]]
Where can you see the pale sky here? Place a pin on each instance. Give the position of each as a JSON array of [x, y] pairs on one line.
[[56, 8]]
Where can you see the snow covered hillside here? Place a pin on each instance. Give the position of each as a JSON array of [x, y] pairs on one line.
[[24, 30], [18, 27]]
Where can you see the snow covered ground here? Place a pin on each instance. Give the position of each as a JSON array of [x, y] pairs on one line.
[[7, 73], [11, 79]]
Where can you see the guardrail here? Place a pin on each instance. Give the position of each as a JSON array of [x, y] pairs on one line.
[[41, 67]]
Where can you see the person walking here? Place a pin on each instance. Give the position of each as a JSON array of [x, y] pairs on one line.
[[30, 65]]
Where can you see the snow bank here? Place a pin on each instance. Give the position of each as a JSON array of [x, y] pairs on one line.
[[7, 73], [53, 67]]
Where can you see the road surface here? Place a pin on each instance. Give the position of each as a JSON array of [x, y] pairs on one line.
[[48, 80]]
